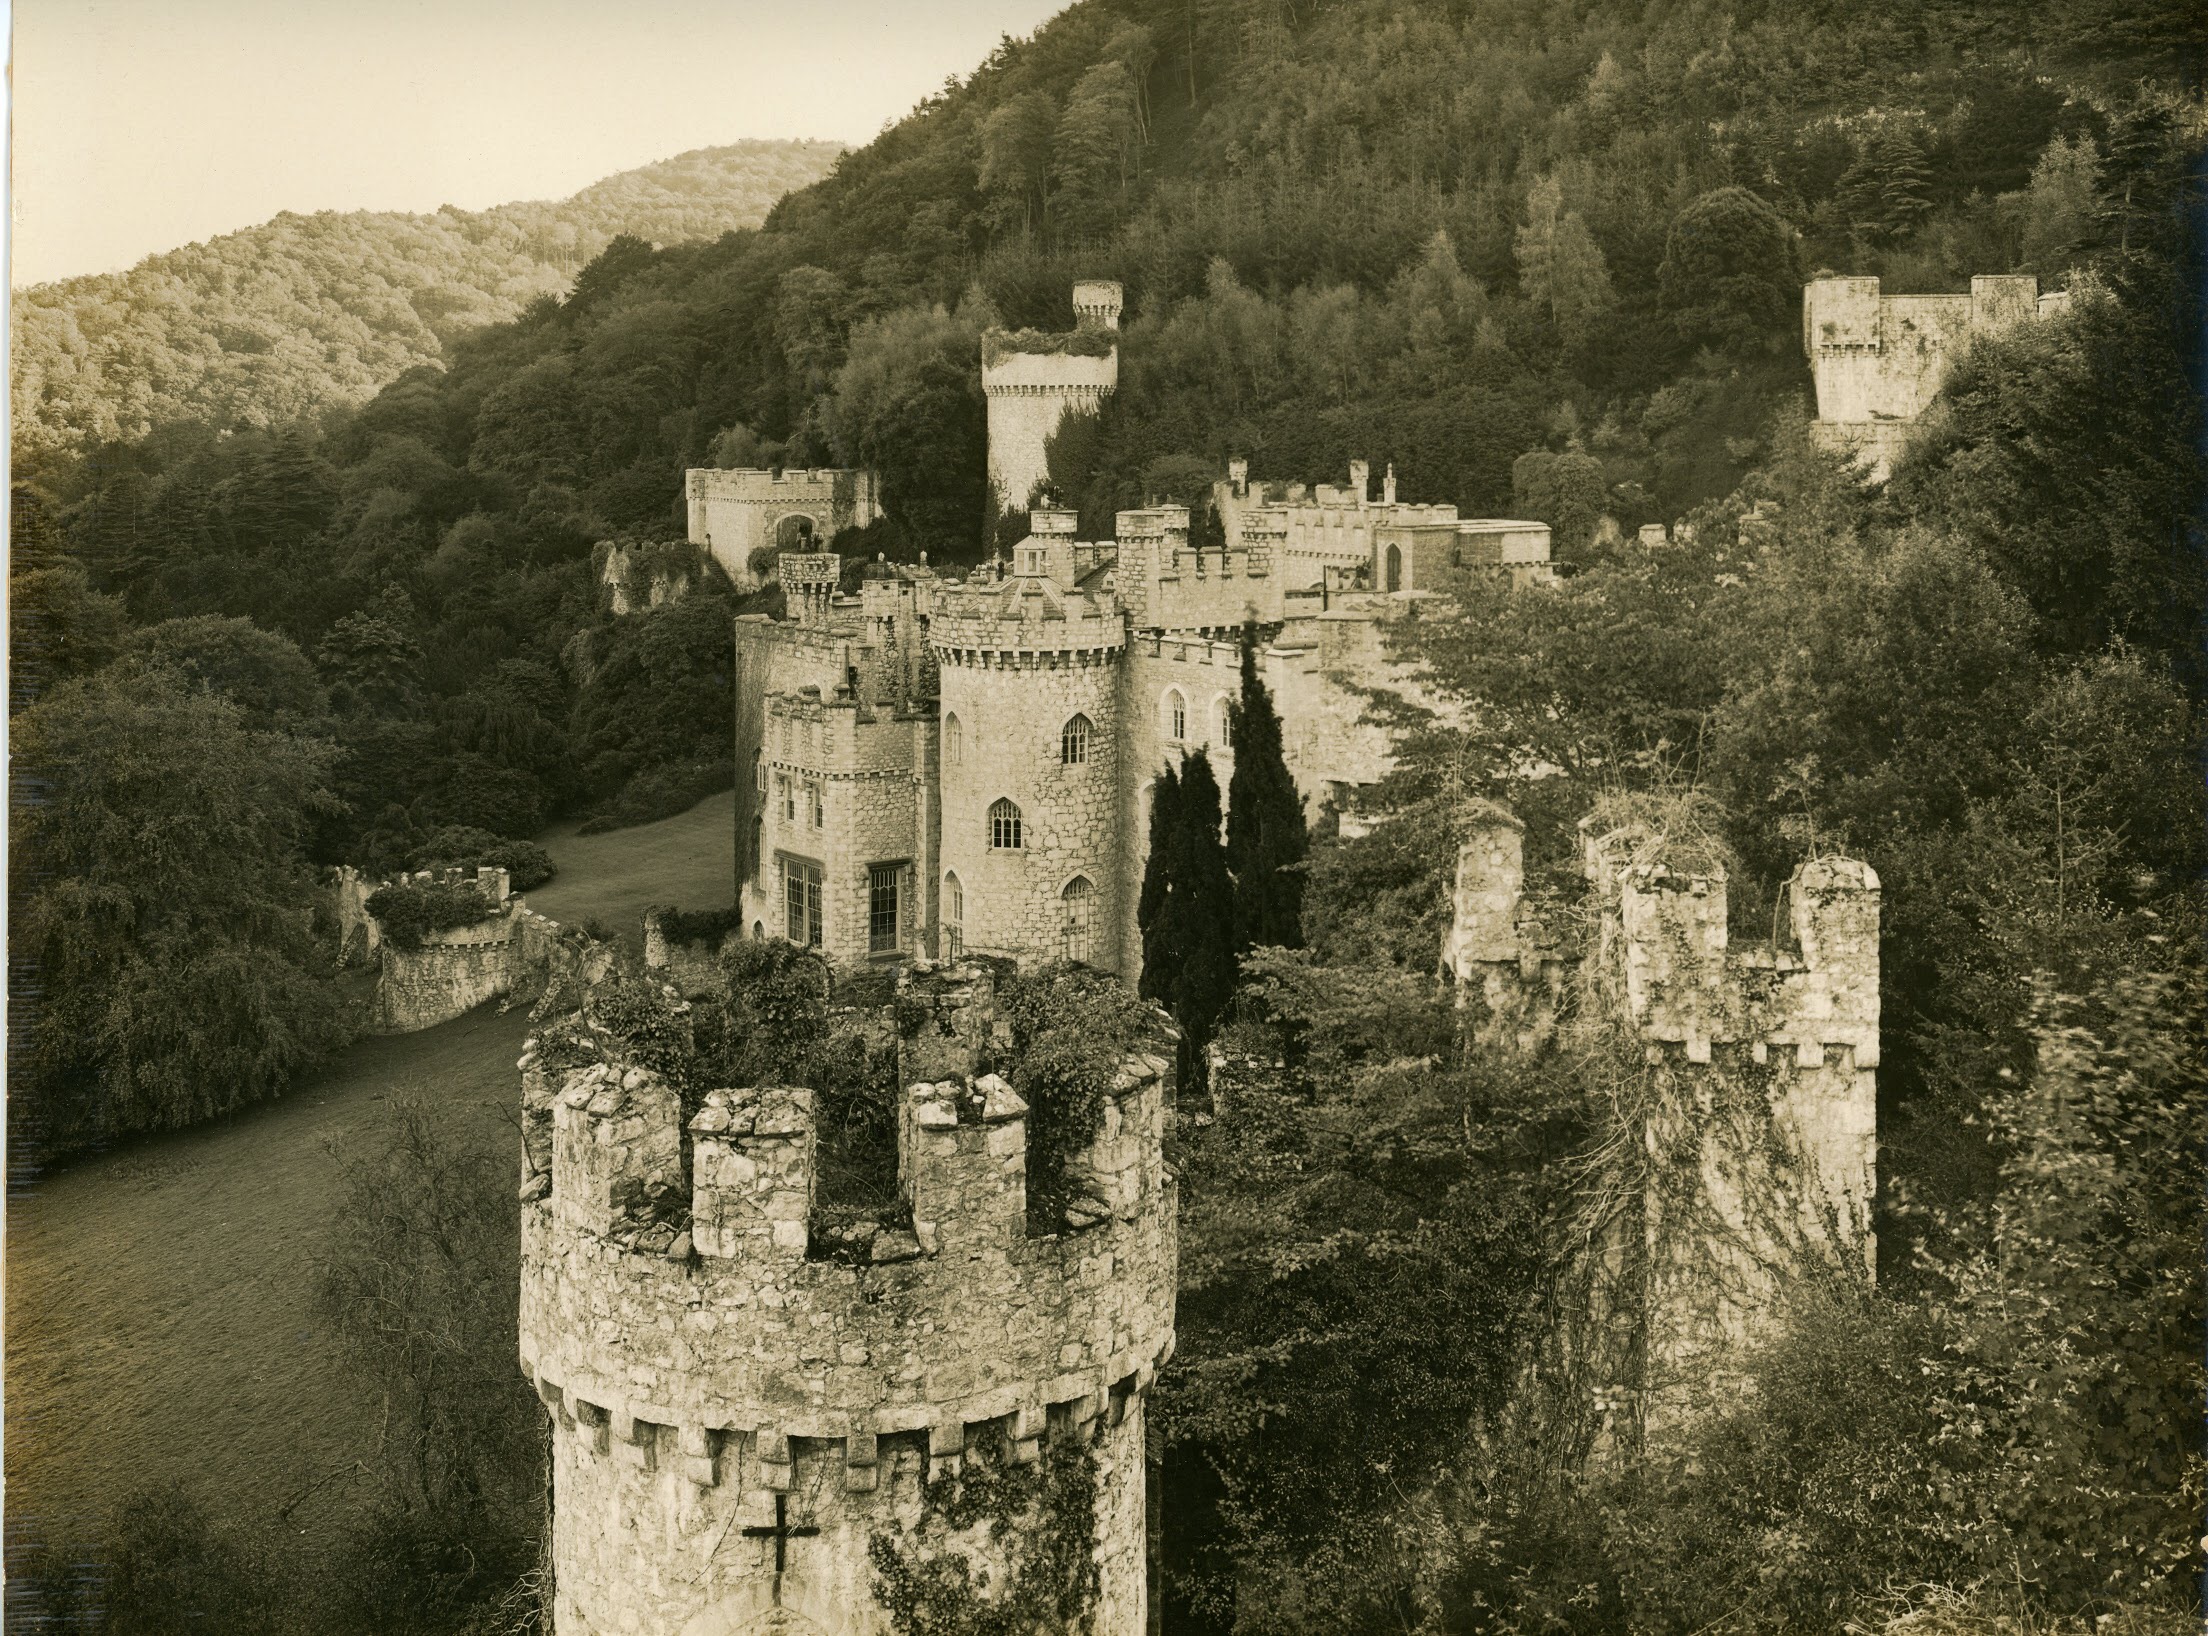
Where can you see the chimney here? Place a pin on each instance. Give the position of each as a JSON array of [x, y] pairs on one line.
[[1360, 480], [1387, 486]]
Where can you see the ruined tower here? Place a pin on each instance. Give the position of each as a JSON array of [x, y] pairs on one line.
[[1757, 1104], [1032, 380], [750, 1412]]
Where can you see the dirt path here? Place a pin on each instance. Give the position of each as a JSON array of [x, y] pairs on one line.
[[160, 1297]]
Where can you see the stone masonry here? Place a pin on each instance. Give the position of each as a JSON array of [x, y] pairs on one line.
[[1879, 359], [736, 1414], [1760, 1114], [940, 764], [734, 513]]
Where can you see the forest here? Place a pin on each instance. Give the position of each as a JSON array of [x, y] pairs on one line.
[[280, 321], [1545, 257]]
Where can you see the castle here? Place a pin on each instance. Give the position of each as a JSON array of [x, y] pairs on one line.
[[733, 514], [747, 1410], [1879, 360], [935, 765]]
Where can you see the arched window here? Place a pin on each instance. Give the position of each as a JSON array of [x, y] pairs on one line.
[[1073, 741], [1004, 826], [1077, 921], [1222, 724], [1395, 568], [954, 916], [1176, 715], [954, 741]]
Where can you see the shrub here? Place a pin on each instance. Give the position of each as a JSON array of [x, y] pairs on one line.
[[460, 846], [707, 926], [408, 913], [661, 792]]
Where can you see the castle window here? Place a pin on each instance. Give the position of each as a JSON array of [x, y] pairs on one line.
[[801, 901], [954, 917], [787, 792], [1222, 723], [1395, 568], [1004, 826], [1176, 715], [954, 741], [882, 893], [812, 802], [1073, 741], [1077, 924]]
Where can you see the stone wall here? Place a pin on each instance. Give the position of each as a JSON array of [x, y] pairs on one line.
[[733, 513], [1028, 394], [1879, 360], [1758, 1107], [709, 1370], [507, 957]]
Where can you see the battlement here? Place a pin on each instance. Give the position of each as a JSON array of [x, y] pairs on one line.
[[1666, 967], [1879, 360], [761, 485], [1096, 303], [736, 512], [1024, 621], [697, 1302]]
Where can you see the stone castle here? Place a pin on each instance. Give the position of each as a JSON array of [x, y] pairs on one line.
[[1879, 359], [934, 765], [734, 514], [746, 1409]]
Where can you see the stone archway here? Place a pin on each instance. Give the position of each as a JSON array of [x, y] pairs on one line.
[[800, 531]]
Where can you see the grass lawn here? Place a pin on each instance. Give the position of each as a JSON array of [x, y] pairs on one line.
[[160, 1296]]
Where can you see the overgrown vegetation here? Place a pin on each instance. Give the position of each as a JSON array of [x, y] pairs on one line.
[[413, 910]]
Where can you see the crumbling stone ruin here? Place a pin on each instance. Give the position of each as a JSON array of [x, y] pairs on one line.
[[751, 1411], [1748, 1117], [1879, 360], [509, 954]]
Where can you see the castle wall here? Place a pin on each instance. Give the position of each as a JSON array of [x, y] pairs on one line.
[[1011, 708], [1879, 360], [733, 513], [1759, 1115], [453, 972]]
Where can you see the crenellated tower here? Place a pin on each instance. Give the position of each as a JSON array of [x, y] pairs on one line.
[[1756, 1111], [747, 1412], [1028, 682], [1033, 380]]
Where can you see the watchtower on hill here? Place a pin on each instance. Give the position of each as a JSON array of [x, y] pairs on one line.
[[1033, 380], [745, 1409]]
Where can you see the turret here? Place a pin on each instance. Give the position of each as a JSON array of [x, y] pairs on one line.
[[742, 1410], [1096, 304]]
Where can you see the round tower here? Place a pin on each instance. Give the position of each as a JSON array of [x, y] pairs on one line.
[[1027, 678], [1032, 381], [757, 1428]]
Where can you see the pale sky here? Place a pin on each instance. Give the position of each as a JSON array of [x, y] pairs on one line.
[[141, 125]]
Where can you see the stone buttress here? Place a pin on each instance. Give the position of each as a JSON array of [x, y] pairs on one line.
[[736, 1415]]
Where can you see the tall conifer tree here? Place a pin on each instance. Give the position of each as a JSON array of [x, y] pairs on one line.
[[1266, 840], [1197, 928], [1160, 962]]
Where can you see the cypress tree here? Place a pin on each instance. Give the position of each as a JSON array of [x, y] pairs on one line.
[[1160, 963], [1198, 924], [1266, 839]]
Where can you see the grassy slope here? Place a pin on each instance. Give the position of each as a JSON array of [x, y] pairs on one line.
[[160, 1318]]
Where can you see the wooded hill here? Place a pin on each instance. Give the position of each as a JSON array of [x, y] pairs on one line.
[[274, 322]]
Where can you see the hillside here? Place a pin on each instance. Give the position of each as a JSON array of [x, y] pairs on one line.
[[276, 321]]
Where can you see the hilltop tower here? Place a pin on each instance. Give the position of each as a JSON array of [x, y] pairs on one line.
[[1879, 360], [1032, 380], [747, 1410], [1028, 683]]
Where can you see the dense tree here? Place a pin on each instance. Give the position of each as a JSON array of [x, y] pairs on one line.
[[1265, 829], [1561, 268], [160, 916], [1161, 963], [1729, 277], [1197, 919]]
